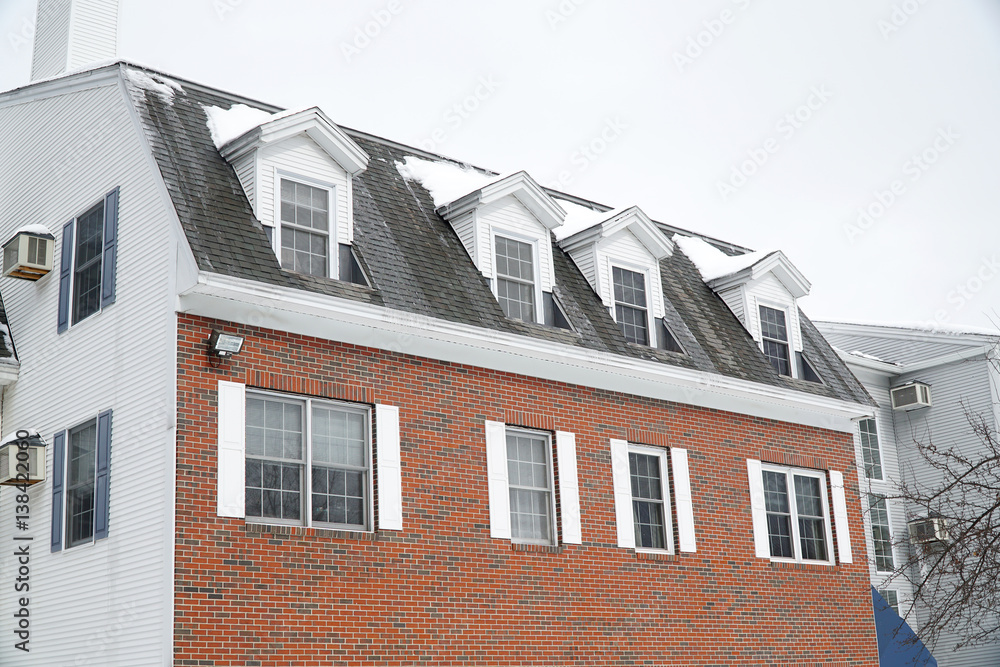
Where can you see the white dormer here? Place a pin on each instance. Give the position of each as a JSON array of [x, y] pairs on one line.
[[619, 253], [762, 290], [504, 226], [296, 170]]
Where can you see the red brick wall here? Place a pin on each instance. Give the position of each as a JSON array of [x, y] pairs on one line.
[[442, 591]]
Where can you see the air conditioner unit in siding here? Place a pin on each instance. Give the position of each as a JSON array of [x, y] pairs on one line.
[[911, 396], [929, 531], [28, 254]]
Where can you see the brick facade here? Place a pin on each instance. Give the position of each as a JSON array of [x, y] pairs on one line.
[[442, 591]]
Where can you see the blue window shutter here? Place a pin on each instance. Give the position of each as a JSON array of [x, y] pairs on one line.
[[65, 271], [110, 248], [101, 490], [58, 455]]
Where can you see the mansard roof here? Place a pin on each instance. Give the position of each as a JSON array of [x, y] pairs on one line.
[[417, 263]]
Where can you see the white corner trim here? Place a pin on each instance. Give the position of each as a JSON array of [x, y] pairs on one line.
[[297, 311]]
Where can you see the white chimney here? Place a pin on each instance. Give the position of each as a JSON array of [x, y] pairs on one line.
[[71, 34]]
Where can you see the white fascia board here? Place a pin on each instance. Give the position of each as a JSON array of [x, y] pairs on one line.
[[522, 187], [881, 367], [775, 263], [62, 85], [637, 222], [891, 369], [286, 309], [908, 334]]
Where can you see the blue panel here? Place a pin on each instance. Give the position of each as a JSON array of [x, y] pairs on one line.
[[110, 259], [898, 645], [58, 456], [102, 494], [65, 271]]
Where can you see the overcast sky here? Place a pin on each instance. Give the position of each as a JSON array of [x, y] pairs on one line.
[[768, 123]]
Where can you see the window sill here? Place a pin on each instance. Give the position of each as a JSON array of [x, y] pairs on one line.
[[278, 530], [813, 567], [536, 548], [656, 555]]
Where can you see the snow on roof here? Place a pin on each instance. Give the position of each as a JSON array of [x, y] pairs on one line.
[[156, 83], [579, 218], [446, 181], [228, 124], [39, 230], [930, 326], [871, 357], [712, 263]]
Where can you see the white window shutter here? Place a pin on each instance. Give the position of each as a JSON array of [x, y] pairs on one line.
[[758, 510], [496, 473], [569, 488], [232, 432], [682, 499], [840, 517], [623, 493], [390, 478]]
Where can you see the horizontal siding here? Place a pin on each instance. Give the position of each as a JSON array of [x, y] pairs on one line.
[[51, 42], [508, 214], [733, 297], [465, 228], [106, 603], [246, 171], [93, 32], [892, 349], [584, 260]]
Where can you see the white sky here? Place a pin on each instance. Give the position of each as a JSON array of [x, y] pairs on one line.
[[555, 76]]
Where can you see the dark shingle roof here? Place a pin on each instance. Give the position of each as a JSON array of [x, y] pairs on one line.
[[417, 263]]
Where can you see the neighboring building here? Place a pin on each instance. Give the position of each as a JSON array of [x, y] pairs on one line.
[[961, 373], [451, 418]]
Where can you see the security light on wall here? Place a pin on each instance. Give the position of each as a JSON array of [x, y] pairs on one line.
[[22, 459], [223, 345]]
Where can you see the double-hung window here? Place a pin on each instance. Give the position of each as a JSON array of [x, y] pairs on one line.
[[530, 485], [515, 276], [88, 262], [795, 505], [80, 484], [307, 458], [881, 533], [650, 507], [307, 461], [891, 598], [630, 304], [774, 334], [305, 228], [870, 452]]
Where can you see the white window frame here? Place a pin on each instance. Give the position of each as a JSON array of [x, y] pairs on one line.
[[536, 255], [333, 245], [74, 264], [668, 504], [793, 371], [881, 454], [306, 484], [647, 276], [553, 519], [888, 525], [898, 608], [66, 499], [790, 473]]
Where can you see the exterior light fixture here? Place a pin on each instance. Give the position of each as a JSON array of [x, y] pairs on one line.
[[224, 345], [22, 458]]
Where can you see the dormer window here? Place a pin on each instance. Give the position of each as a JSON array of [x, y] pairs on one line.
[[630, 305], [515, 284], [304, 229], [774, 335]]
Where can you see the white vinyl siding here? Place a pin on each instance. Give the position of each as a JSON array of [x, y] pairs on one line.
[[246, 169], [735, 298], [94, 32], [62, 154], [508, 217]]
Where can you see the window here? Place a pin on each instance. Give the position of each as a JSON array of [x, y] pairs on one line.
[[80, 478], [881, 534], [870, 452], [796, 511], [307, 458], [630, 304], [88, 264], [305, 228], [891, 598], [529, 479], [515, 278], [775, 339], [650, 510]]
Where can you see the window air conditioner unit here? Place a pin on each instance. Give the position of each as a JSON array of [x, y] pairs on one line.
[[911, 396], [28, 254], [928, 531], [22, 459]]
